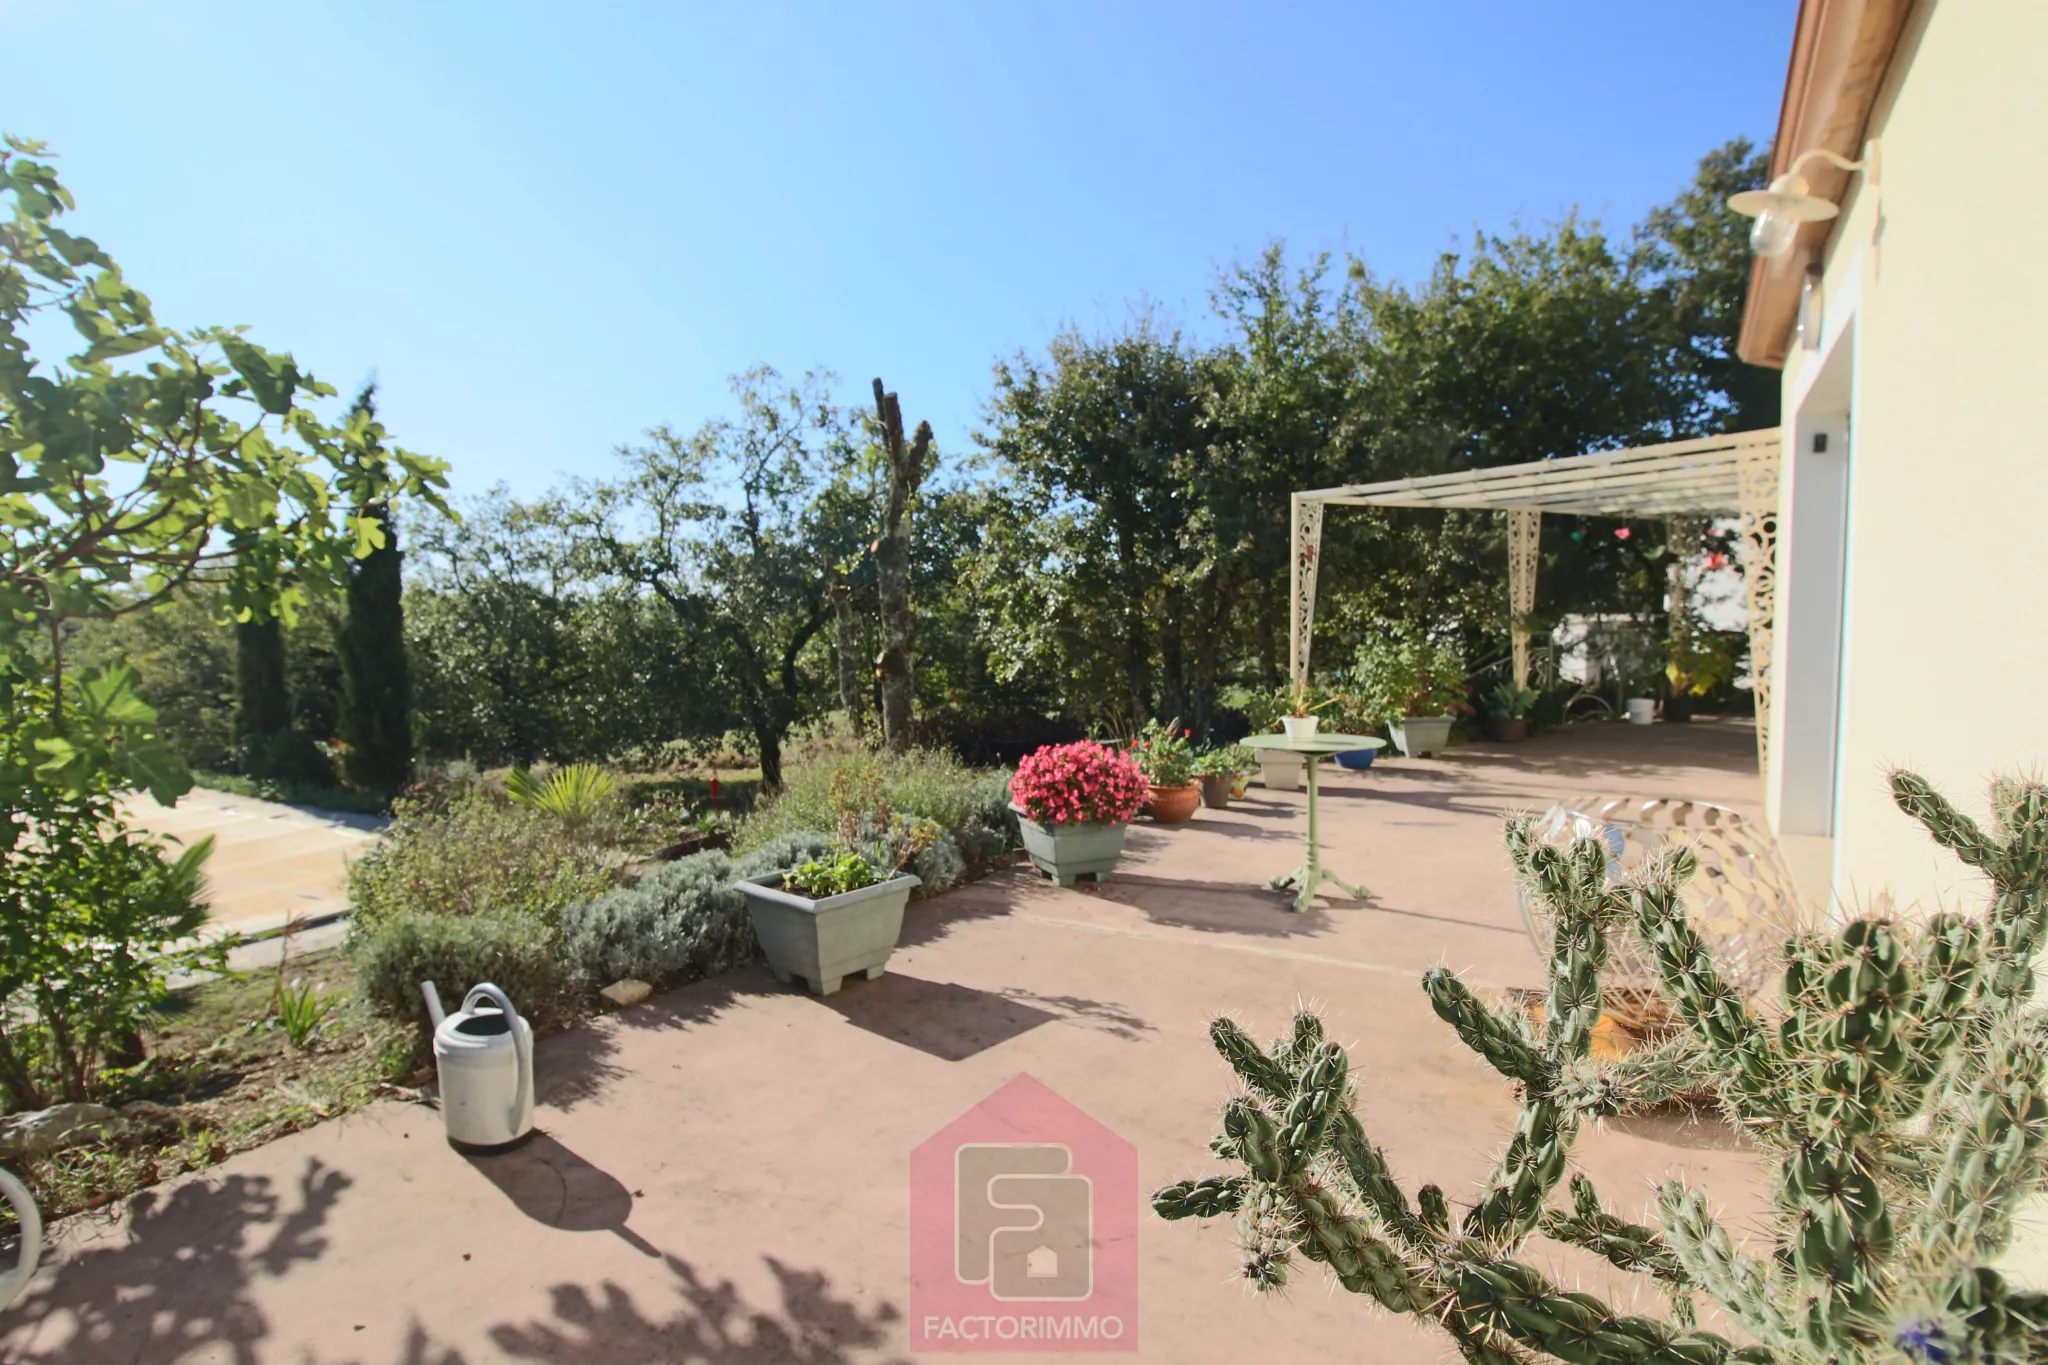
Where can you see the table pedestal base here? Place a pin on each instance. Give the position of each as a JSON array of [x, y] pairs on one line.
[[1310, 878]]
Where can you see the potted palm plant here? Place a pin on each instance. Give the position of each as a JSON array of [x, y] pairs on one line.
[[830, 918], [1073, 804], [1168, 762]]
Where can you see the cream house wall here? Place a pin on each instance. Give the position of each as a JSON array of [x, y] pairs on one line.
[[1936, 313]]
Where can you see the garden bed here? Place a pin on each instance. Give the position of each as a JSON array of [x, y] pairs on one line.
[[221, 1077]]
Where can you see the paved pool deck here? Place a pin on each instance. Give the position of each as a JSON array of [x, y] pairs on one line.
[[270, 862], [722, 1172]]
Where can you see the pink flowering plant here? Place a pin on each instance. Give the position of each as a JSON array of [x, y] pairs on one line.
[[1083, 783]]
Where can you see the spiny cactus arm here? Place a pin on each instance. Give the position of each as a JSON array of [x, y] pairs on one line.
[[1525, 1175], [1514, 1299], [1948, 966], [1659, 1072], [1624, 1245], [1995, 1154], [1205, 1198], [1477, 1343], [1501, 1038], [1744, 1286], [1736, 1044], [1572, 884], [1950, 828], [2014, 855], [1975, 1317], [1365, 1165], [1262, 1073]]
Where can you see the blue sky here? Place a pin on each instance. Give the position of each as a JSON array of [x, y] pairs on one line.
[[548, 227]]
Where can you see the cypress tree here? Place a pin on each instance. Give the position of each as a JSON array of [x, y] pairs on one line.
[[376, 716], [262, 697]]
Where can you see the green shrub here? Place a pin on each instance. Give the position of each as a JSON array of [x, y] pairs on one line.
[[929, 784], [520, 954], [92, 915], [783, 852], [483, 856], [680, 922]]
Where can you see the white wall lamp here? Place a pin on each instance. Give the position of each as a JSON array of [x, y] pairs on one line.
[[1790, 203]]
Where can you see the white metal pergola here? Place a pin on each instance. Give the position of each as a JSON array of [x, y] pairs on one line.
[[1734, 475]]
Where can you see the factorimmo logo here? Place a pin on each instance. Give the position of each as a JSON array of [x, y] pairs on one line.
[[1024, 1230]]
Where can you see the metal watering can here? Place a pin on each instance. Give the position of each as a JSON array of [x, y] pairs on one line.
[[485, 1061], [12, 1282]]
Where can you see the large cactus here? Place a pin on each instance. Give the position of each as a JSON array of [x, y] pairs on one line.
[[1900, 1093]]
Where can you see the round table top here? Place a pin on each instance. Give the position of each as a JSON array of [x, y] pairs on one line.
[[1322, 744]]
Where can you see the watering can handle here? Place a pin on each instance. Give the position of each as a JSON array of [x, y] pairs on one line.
[[487, 991], [16, 1280]]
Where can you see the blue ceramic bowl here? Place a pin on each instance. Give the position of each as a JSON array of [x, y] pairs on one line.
[[1357, 759]]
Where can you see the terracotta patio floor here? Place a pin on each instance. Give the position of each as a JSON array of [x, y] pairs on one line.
[[722, 1171]]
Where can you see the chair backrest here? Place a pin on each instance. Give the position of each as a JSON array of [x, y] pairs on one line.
[[1742, 900]]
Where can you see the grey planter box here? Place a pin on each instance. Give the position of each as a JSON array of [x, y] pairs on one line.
[[1281, 772], [1419, 736], [826, 941], [1067, 852]]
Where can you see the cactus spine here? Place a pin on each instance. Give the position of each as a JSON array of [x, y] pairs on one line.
[[1902, 1094]]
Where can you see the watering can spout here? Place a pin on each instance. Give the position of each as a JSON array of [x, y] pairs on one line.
[[433, 999]]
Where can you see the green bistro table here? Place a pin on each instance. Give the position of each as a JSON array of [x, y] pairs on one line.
[[1309, 877]]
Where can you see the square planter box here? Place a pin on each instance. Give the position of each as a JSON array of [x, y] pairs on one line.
[[1068, 852], [1419, 736], [1281, 772], [826, 941]]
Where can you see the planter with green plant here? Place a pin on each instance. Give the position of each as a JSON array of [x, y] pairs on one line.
[[1073, 804], [1215, 773], [832, 917], [1168, 762], [1417, 683], [1243, 761], [1507, 712]]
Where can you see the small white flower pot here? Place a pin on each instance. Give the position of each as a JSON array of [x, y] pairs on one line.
[[1299, 727], [1641, 710]]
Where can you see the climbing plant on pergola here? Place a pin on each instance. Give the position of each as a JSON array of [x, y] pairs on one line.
[[1717, 476]]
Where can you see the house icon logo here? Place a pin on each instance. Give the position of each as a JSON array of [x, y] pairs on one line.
[[1024, 1230]]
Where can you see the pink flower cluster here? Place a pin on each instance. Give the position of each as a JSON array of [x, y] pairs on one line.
[[1079, 783]]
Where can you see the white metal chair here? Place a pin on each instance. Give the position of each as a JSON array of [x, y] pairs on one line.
[[1742, 899]]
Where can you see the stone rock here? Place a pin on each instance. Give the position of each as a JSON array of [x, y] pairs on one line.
[[627, 992], [53, 1129]]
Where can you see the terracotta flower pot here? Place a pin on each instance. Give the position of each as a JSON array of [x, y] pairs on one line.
[[1174, 805], [1216, 790], [1502, 731]]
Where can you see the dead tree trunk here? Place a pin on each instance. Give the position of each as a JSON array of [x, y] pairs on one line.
[[894, 667]]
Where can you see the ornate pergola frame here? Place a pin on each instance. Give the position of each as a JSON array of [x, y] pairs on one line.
[[1716, 476]]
